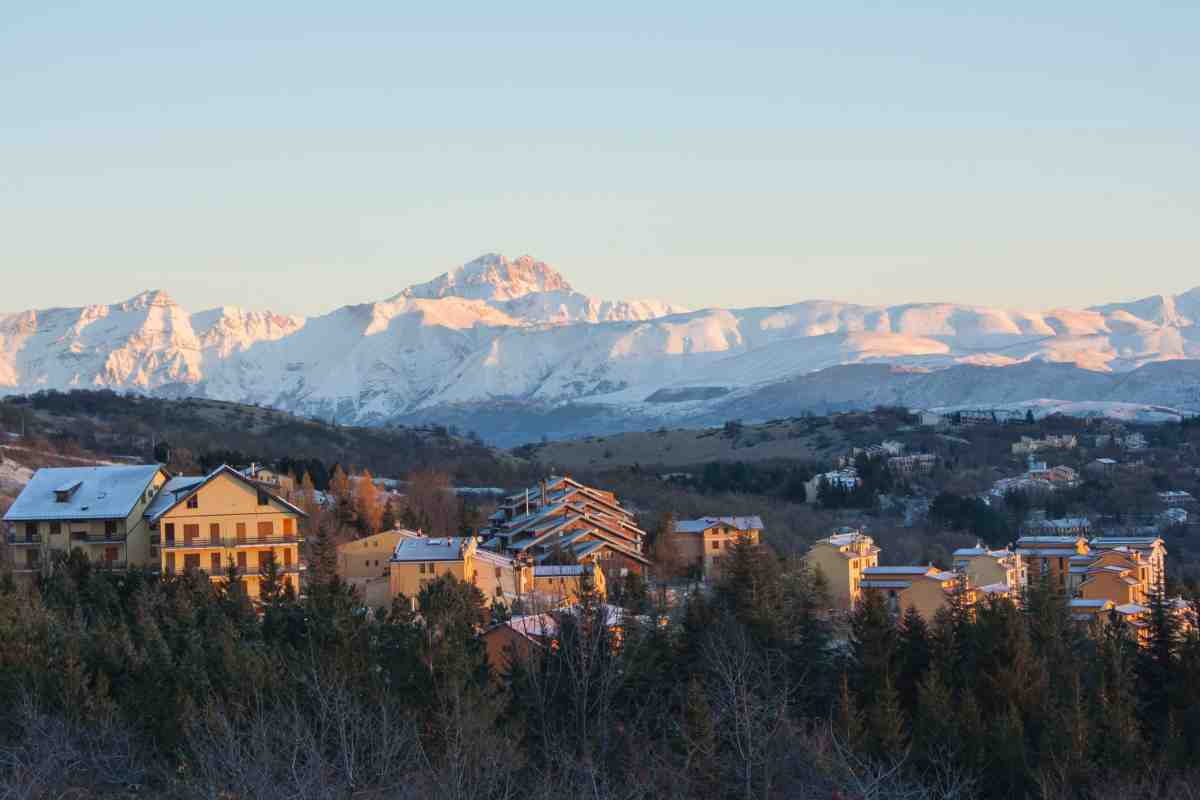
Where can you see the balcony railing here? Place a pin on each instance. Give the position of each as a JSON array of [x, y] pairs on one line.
[[23, 540], [206, 542], [84, 537], [292, 569]]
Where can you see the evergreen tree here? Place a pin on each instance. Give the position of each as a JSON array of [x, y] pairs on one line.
[[913, 657], [887, 734], [873, 639]]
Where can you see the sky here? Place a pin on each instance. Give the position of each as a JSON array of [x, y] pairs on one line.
[[299, 156]]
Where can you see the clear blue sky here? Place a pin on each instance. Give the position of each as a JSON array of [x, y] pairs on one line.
[[302, 155]]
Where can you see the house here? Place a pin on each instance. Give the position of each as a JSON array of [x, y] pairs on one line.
[[842, 557], [1028, 445], [1050, 556], [1176, 498], [1175, 516], [927, 589], [223, 520], [555, 584], [563, 518], [521, 636], [1134, 441], [916, 462], [96, 510], [275, 481], [1151, 548], [707, 540], [846, 479], [1085, 611], [929, 419], [989, 569], [364, 564], [1065, 526], [418, 561], [1121, 576]]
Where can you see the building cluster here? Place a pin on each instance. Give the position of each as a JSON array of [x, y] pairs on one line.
[[845, 478], [1038, 477], [1101, 575], [139, 516], [889, 451], [1028, 445]]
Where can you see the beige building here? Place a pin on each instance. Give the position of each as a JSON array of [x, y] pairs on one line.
[[1151, 548], [927, 589], [225, 519], [706, 541], [364, 564], [842, 558], [1051, 556], [989, 569], [96, 510], [415, 563]]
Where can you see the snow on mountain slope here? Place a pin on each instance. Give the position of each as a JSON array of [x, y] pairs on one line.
[[500, 330]]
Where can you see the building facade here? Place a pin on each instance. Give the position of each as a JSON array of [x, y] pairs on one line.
[[842, 559], [706, 541]]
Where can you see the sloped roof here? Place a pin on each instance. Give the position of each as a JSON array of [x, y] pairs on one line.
[[107, 492], [702, 524], [185, 490]]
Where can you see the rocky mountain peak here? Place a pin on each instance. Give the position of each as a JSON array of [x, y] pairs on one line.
[[493, 278]]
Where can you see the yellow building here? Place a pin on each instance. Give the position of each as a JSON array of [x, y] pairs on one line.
[[990, 569], [97, 510], [1051, 556], [555, 585], [841, 558], [1121, 576], [706, 541], [364, 564], [222, 519], [927, 589], [415, 563]]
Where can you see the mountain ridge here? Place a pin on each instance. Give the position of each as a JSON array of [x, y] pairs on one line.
[[503, 331]]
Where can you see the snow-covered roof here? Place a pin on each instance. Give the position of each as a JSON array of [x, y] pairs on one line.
[[1080, 602], [107, 492], [559, 570], [185, 490], [908, 570], [446, 548], [1064, 540], [702, 524]]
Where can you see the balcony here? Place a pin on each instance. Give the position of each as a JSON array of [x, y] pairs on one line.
[[23, 540], [207, 542], [84, 537], [292, 569]]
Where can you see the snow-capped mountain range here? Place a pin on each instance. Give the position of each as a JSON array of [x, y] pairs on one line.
[[514, 335]]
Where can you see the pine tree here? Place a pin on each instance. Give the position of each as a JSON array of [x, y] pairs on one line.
[[913, 657], [848, 721], [387, 522], [873, 642], [887, 735]]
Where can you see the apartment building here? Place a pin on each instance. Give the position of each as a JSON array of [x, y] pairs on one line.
[[560, 518], [97, 510], [842, 558], [990, 569], [1051, 556], [417, 562], [1119, 575], [1152, 549], [927, 589], [364, 564], [707, 540], [223, 520]]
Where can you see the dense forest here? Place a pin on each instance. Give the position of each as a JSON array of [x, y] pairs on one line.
[[135, 685]]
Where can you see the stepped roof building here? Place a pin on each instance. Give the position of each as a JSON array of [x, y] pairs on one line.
[[562, 519]]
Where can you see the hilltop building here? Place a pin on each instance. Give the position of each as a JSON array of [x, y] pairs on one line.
[[995, 572], [364, 564], [927, 589]]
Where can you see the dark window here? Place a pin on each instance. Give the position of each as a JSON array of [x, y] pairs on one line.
[[55, 528], [263, 498], [214, 563], [110, 527], [241, 561], [169, 532], [31, 530], [191, 561], [193, 501], [214, 532]]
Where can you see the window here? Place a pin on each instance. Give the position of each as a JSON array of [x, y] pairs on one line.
[[169, 532], [214, 532], [263, 498], [422, 567], [191, 561], [170, 563], [266, 529], [110, 527], [241, 557], [31, 531], [499, 573], [432, 569], [55, 528], [111, 555], [716, 545], [193, 501], [214, 563], [287, 557], [241, 532], [289, 526], [265, 557], [191, 533]]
